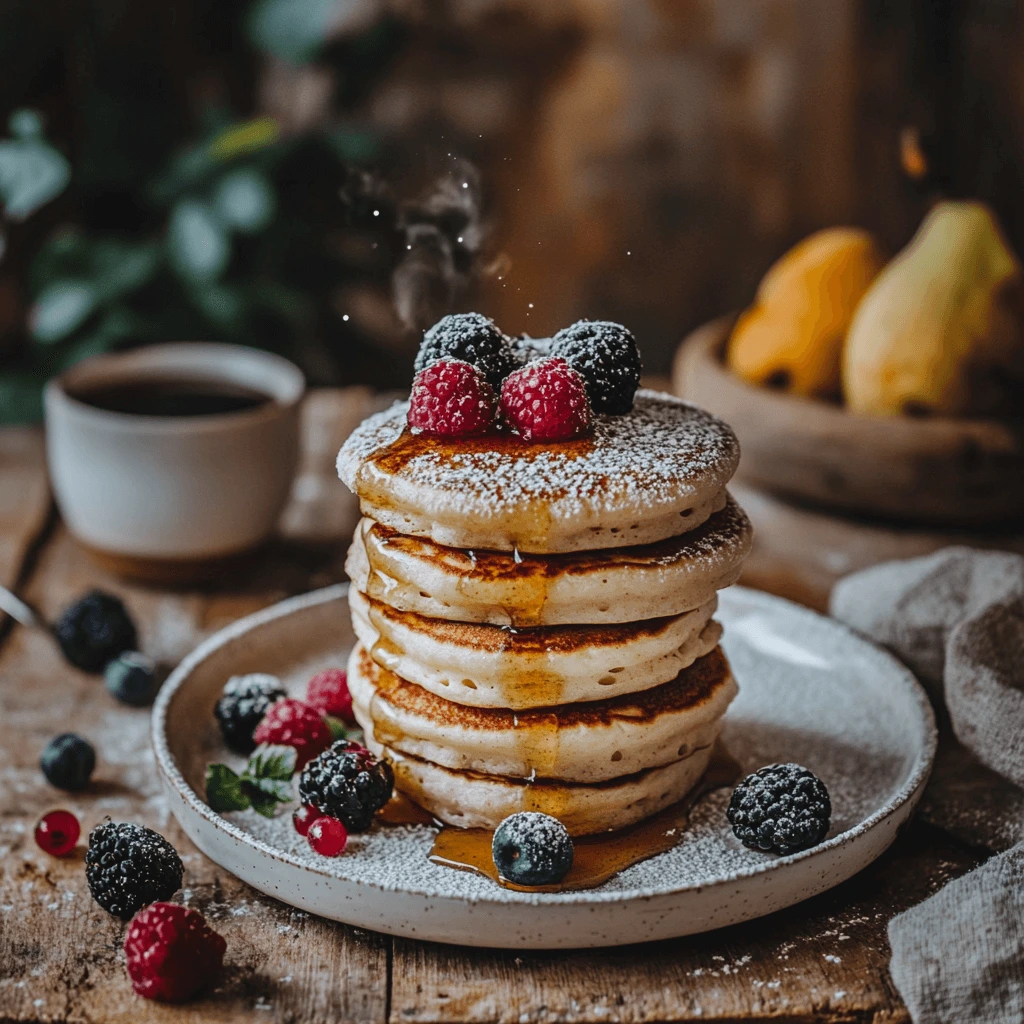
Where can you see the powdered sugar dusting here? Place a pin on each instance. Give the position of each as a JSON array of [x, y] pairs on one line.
[[663, 452]]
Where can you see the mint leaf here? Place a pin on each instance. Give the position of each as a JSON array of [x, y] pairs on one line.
[[263, 803], [337, 727], [271, 762], [279, 789], [224, 790]]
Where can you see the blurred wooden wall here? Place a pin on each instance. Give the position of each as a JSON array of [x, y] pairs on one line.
[[648, 159]]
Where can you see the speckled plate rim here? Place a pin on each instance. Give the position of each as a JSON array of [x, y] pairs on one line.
[[906, 795]]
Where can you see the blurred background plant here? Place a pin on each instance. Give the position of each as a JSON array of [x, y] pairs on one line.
[[163, 223]]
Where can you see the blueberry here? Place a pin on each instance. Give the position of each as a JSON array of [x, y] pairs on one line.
[[95, 630], [131, 678], [532, 849], [68, 762]]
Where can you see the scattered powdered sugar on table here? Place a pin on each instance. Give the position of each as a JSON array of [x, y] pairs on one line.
[[663, 450], [840, 716]]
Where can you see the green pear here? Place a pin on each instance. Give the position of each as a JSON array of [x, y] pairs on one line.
[[941, 329]]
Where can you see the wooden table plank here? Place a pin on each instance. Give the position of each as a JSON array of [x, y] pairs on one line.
[[59, 952], [824, 960]]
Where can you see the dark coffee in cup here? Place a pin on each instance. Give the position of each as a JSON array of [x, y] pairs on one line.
[[171, 396]]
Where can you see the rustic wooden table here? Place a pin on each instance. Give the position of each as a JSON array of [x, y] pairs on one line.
[[60, 954]]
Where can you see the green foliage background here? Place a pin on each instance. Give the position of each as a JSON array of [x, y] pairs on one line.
[[139, 216]]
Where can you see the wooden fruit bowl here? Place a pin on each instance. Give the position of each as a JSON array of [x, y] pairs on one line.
[[953, 472]]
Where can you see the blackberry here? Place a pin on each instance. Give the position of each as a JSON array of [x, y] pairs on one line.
[[245, 701], [606, 356], [129, 866], [525, 349], [348, 783], [131, 678], [781, 808], [472, 338], [532, 849], [68, 761], [95, 630]]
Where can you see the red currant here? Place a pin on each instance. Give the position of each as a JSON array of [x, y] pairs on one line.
[[303, 817], [57, 833], [327, 836]]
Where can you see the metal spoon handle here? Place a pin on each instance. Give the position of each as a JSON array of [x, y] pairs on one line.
[[19, 611]]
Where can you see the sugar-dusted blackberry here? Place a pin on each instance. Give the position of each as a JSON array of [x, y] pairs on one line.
[[530, 848], [129, 866], [782, 808], [348, 783], [472, 338], [95, 630], [245, 701], [606, 356]]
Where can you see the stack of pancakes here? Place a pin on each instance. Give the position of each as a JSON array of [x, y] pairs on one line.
[[535, 620]]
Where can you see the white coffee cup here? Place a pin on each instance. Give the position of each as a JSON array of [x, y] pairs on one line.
[[163, 497]]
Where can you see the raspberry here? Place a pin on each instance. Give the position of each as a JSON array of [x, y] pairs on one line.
[[172, 953], [606, 356], [293, 723], [451, 398], [546, 401], [328, 692], [348, 783], [57, 833], [472, 337], [327, 836]]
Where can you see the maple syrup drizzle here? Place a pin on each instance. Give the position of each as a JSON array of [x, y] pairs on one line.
[[596, 857], [400, 810]]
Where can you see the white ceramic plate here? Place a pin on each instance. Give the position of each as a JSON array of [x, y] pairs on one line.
[[811, 691]]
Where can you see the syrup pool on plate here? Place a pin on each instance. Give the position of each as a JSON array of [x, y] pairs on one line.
[[596, 857]]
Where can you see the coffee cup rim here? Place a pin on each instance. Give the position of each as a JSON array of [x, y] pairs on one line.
[[277, 377]]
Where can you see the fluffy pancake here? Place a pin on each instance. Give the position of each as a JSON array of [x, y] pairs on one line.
[[639, 478], [473, 800], [490, 666], [613, 585], [572, 743]]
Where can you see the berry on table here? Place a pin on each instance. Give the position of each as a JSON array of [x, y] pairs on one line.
[[304, 816], [57, 833], [451, 398], [530, 848], [293, 723], [129, 866], [782, 808], [172, 953], [95, 630], [472, 338], [546, 401], [243, 704], [131, 678], [606, 356], [327, 836], [68, 761], [348, 783], [328, 692]]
